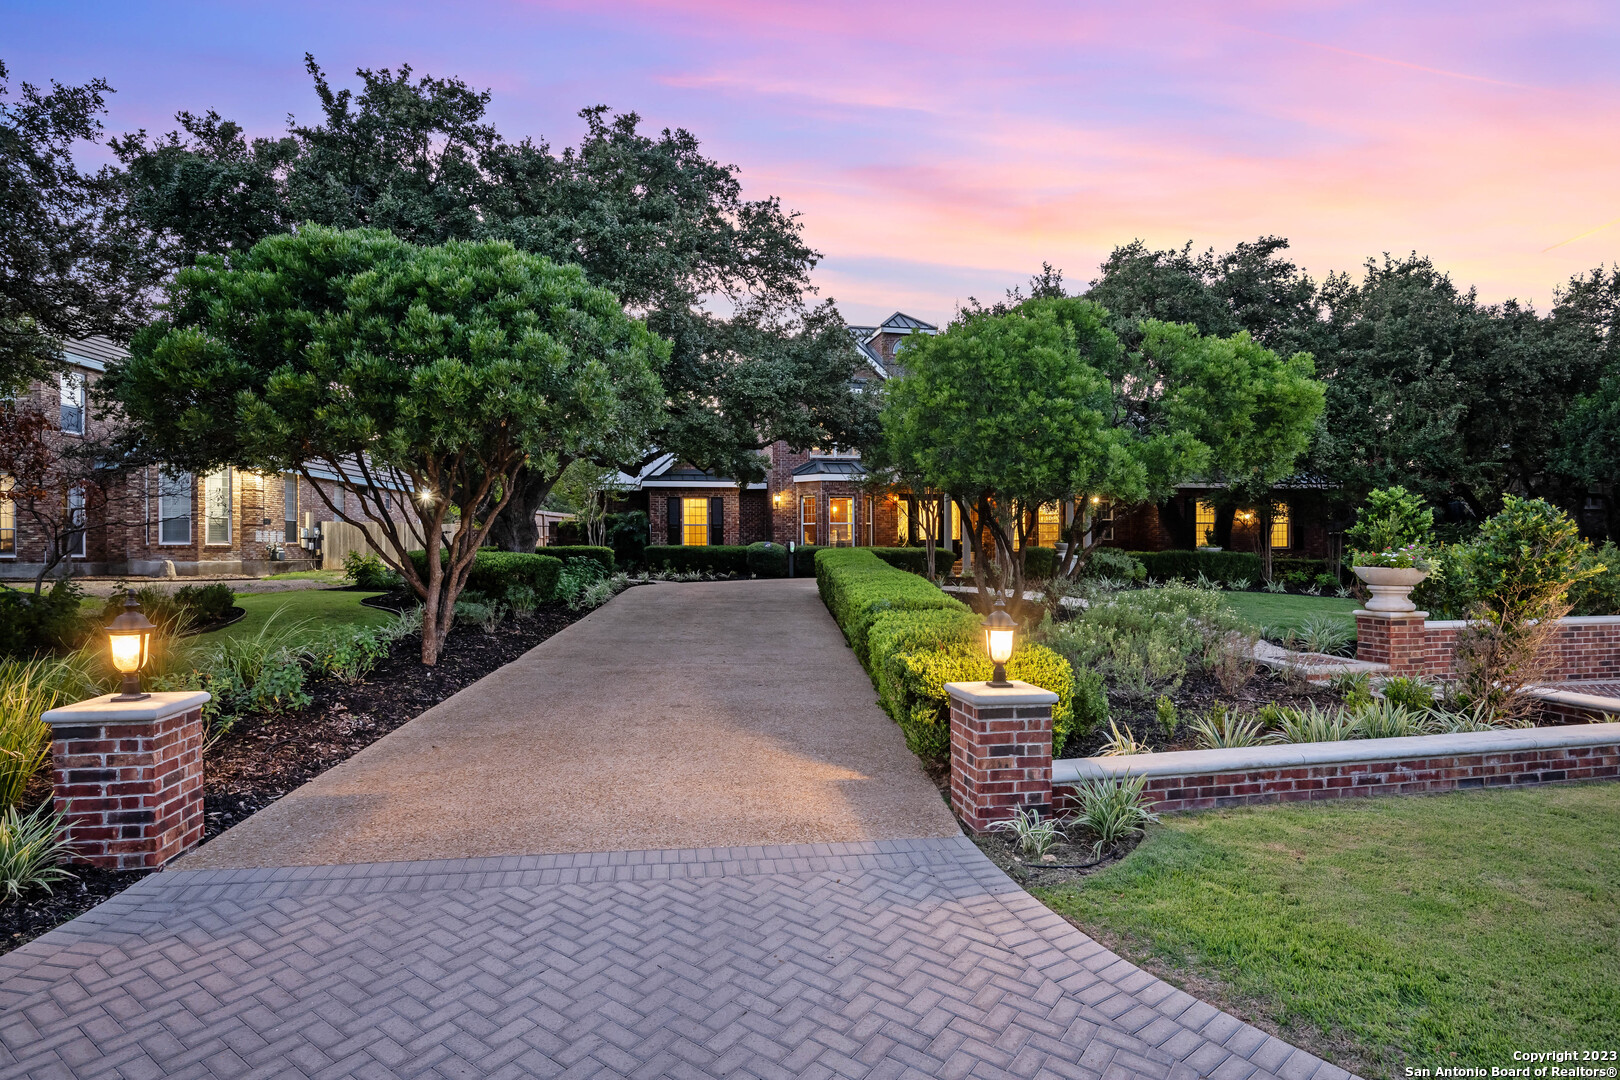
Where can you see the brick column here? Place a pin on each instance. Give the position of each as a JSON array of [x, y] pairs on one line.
[[128, 778], [1001, 751], [1396, 638]]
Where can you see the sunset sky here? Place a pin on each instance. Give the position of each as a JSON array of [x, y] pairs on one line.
[[945, 149]]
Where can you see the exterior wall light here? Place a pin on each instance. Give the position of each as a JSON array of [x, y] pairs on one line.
[[999, 630], [129, 637]]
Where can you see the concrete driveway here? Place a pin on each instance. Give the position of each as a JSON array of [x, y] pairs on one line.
[[718, 714]]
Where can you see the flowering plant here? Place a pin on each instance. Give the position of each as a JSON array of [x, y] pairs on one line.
[[1413, 556]]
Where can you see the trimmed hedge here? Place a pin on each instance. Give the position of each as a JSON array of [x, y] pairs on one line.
[[1040, 563], [857, 587], [913, 639], [767, 560], [493, 572], [804, 559], [1222, 566], [1304, 571], [569, 552], [911, 559], [713, 558]]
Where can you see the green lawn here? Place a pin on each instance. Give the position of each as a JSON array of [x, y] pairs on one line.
[[331, 577], [321, 607], [1448, 930], [1284, 610]]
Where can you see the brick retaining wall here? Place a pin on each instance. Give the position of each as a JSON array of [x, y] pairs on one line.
[[1585, 647], [1175, 781]]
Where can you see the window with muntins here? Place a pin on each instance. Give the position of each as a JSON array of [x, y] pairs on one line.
[[1204, 524], [1281, 536], [807, 520], [8, 519], [76, 523], [1048, 525], [289, 512], [217, 507], [694, 522], [841, 522], [174, 507], [73, 403]]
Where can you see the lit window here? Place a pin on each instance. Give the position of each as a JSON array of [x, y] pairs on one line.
[[902, 520], [867, 508], [694, 522], [1204, 524], [1279, 526], [174, 507], [840, 522], [8, 519], [217, 507], [807, 520], [1048, 526], [73, 403]]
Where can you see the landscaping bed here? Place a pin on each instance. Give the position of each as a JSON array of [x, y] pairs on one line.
[[264, 756]]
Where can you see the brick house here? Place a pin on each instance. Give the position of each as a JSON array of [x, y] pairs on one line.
[[824, 497], [227, 522]]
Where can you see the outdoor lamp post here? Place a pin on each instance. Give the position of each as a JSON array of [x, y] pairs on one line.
[[999, 629], [129, 636]]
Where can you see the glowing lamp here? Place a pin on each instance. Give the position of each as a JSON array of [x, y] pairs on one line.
[[129, 637], [999, 629]]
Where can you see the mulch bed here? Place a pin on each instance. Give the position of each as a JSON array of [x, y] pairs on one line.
[[1067, 862], [264, 757]]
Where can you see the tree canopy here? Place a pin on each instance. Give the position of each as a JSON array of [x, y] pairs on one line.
[[425, 377], [723, 278]]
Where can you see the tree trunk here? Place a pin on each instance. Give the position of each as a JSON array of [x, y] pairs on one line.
[[1224, 516], [515, 528]]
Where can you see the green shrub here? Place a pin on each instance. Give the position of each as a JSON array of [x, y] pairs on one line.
[[1114, 564], [804, 560], [1393, 517], [767, 560], [368, 571], [896, 633], [1599, 593], [1414, 694], [1040, 563], [705, 558], [473, 610], [1113, 810], [924, 712], [1224, 566], [569, 553], [1090, 706], [911, 559], [53, 620], [857, 587], [578, 576], [27, 689], [1145, 641], [1311, 569], [493, 572]]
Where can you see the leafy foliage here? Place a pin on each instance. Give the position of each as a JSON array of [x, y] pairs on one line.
[[1113, 810], [31, 847]]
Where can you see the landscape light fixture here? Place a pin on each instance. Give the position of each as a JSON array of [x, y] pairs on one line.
[[999, 629], [129, 637]]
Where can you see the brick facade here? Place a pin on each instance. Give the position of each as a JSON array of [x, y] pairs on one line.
[[1001, 751], [128, 778], [1400, 776], [1584, 647]]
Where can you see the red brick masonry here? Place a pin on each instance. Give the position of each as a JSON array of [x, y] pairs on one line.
[[1585, 647], [128, 778], [1206, 779], [1001, 751]]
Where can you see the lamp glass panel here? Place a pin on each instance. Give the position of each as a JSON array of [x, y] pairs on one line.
[[126, 651], [1001, 645]]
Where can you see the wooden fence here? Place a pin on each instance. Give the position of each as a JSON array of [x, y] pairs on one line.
[[338, 538]]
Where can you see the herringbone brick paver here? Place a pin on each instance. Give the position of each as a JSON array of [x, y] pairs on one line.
[[886, 959]]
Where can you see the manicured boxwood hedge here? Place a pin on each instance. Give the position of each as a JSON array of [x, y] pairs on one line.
[[913, 559], [804, 559], [1040, 563], [913, 639], [712, 558], [569, 552], [767, 560], [493, 572], [1187, 565]]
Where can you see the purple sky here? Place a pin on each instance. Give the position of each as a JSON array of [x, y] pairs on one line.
[[945, 149]]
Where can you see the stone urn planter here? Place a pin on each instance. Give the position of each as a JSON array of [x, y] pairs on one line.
[[1391, 586]]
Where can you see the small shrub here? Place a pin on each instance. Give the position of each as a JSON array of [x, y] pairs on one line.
[[520, 600], [1384, 720], [1326, 634], [1276, 585], [53, 620], [1226, 729], [1090, 707], [1598, 592], [349, 653], [1112, 810], [1164, 711], [569, 553], [1114, 564], [1144, 641], [368, 571], [31, 848], [493, 572], [1040, 563], [1230, 659], [1414, 694], [1392, 518], [211, 603], [722, 559], [1034, 835], [576, 577], [486, 616], [767, 560], [1311, 724], [26, 692], [1325, 582], [600, 592], [1353, 688]]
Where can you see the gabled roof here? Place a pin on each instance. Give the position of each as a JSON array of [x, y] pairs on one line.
[[665, 471], [901, 323], [863, 336], [829, 469]]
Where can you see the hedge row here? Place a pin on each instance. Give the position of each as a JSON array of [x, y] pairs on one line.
[[1225, 566], [493, 571], [913, 639], [569, 552], [712, 558]]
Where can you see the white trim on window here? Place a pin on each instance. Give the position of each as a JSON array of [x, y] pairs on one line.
[[174, 508], [8, 521], [217, 508]]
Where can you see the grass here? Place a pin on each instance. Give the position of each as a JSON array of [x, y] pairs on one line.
[[330, 577], [321, 607], [1285, 610], [1447, 930]]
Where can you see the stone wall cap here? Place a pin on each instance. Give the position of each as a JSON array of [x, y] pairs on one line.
[[1348, 751], [1391, 614], [103, 709], [983, 695]]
